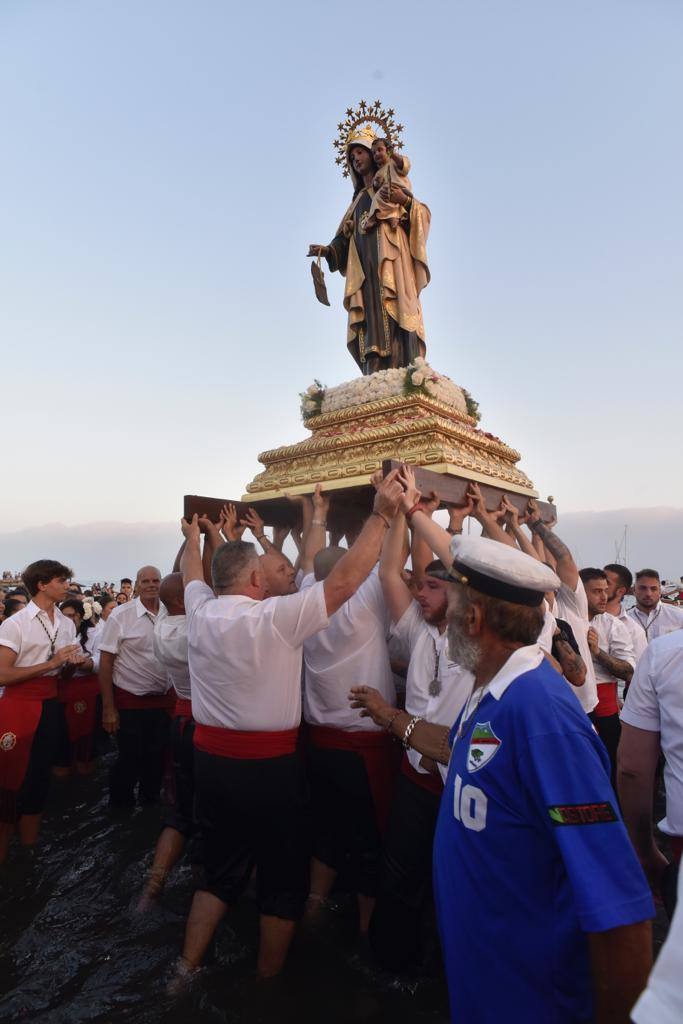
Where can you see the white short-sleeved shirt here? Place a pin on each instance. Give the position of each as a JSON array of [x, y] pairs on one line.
[[662, 1000], [572, 606], [654, 702], [637, 634], [25, 634], [129, 634], [663, 619], [545, 637], [429, 657], [170, 648], [245, 656], [615, 640], [352, 651]]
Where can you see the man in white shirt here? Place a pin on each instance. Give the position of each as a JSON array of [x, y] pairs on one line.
[[570, 603], [619, 583], [36, 644], [136, 702], [613, 659], [654, 618], [651, 725], [170, 649], [352, 763], [245, 657], [436, 689]]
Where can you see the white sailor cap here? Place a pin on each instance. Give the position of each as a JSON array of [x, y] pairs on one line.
[[501, 571]]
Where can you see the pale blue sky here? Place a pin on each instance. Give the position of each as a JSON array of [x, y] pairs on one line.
[[165, 165]]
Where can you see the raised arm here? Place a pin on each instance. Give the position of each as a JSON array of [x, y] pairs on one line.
[[393, 559], [490, 525], [437, 539], [514, 527], [350, 571], [420, 552], [191, 560], [176, 563], [253, 520], [566, 567], [315, 527], [212, 541], [231, 529]]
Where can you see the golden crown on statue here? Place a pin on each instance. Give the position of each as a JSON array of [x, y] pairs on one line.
[[358, 127]]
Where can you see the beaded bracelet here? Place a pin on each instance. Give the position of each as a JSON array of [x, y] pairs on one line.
[[392, 720]]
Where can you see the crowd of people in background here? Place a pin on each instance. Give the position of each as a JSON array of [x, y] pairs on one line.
[[431, 715]]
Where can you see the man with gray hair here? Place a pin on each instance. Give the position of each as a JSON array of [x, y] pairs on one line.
[[135, 694], [529, 828], [245, 656]]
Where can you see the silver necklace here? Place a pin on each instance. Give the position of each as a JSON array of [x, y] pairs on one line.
[[435, 685]]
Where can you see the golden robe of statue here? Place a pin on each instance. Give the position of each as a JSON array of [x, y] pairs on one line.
[[385, 268]]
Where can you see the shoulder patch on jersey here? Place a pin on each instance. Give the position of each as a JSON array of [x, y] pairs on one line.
[[483, 745], [582, 814]]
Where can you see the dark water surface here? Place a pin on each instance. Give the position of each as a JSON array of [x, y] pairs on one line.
[[73, 949]]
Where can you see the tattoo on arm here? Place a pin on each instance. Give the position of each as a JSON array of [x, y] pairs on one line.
[[615, 666], [555, 546]]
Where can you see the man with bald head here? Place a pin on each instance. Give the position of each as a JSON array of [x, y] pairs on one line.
[[136, 694], [279, 573]]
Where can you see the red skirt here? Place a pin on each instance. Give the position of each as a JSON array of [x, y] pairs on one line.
[[21, 706], [79, 697], [379, 752]]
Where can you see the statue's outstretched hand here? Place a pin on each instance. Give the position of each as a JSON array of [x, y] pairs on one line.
[[318, 250]]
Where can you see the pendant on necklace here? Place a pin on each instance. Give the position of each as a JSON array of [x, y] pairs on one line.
[[435, 687]]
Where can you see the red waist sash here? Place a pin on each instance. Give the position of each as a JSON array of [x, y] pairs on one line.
[[380, 756], [432, 783], [21, 706], [183, 707], [127, 701], [607, 700], [247, 746], [79, 697]]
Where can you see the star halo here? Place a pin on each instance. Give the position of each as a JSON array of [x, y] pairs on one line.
[[366, 114]]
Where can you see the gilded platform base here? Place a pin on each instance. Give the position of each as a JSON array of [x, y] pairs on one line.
[[348, 446]]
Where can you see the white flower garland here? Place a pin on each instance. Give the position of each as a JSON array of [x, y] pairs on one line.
[[418, 378]]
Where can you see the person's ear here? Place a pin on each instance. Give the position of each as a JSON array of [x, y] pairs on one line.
[[474, 620]]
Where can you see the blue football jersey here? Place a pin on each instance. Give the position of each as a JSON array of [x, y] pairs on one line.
[[530, 853]]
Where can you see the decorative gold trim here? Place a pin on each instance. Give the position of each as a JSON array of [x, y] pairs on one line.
[[346, 447]]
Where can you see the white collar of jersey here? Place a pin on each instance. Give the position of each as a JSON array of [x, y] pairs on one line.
[[524, 659]]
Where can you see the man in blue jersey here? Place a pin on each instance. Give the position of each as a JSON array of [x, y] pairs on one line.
[[543, 909]]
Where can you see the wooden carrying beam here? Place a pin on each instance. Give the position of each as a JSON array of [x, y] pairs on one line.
[[354, 503], [451, 491]]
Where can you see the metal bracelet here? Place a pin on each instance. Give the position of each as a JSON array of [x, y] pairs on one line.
[[318, 522], [409, 729]]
